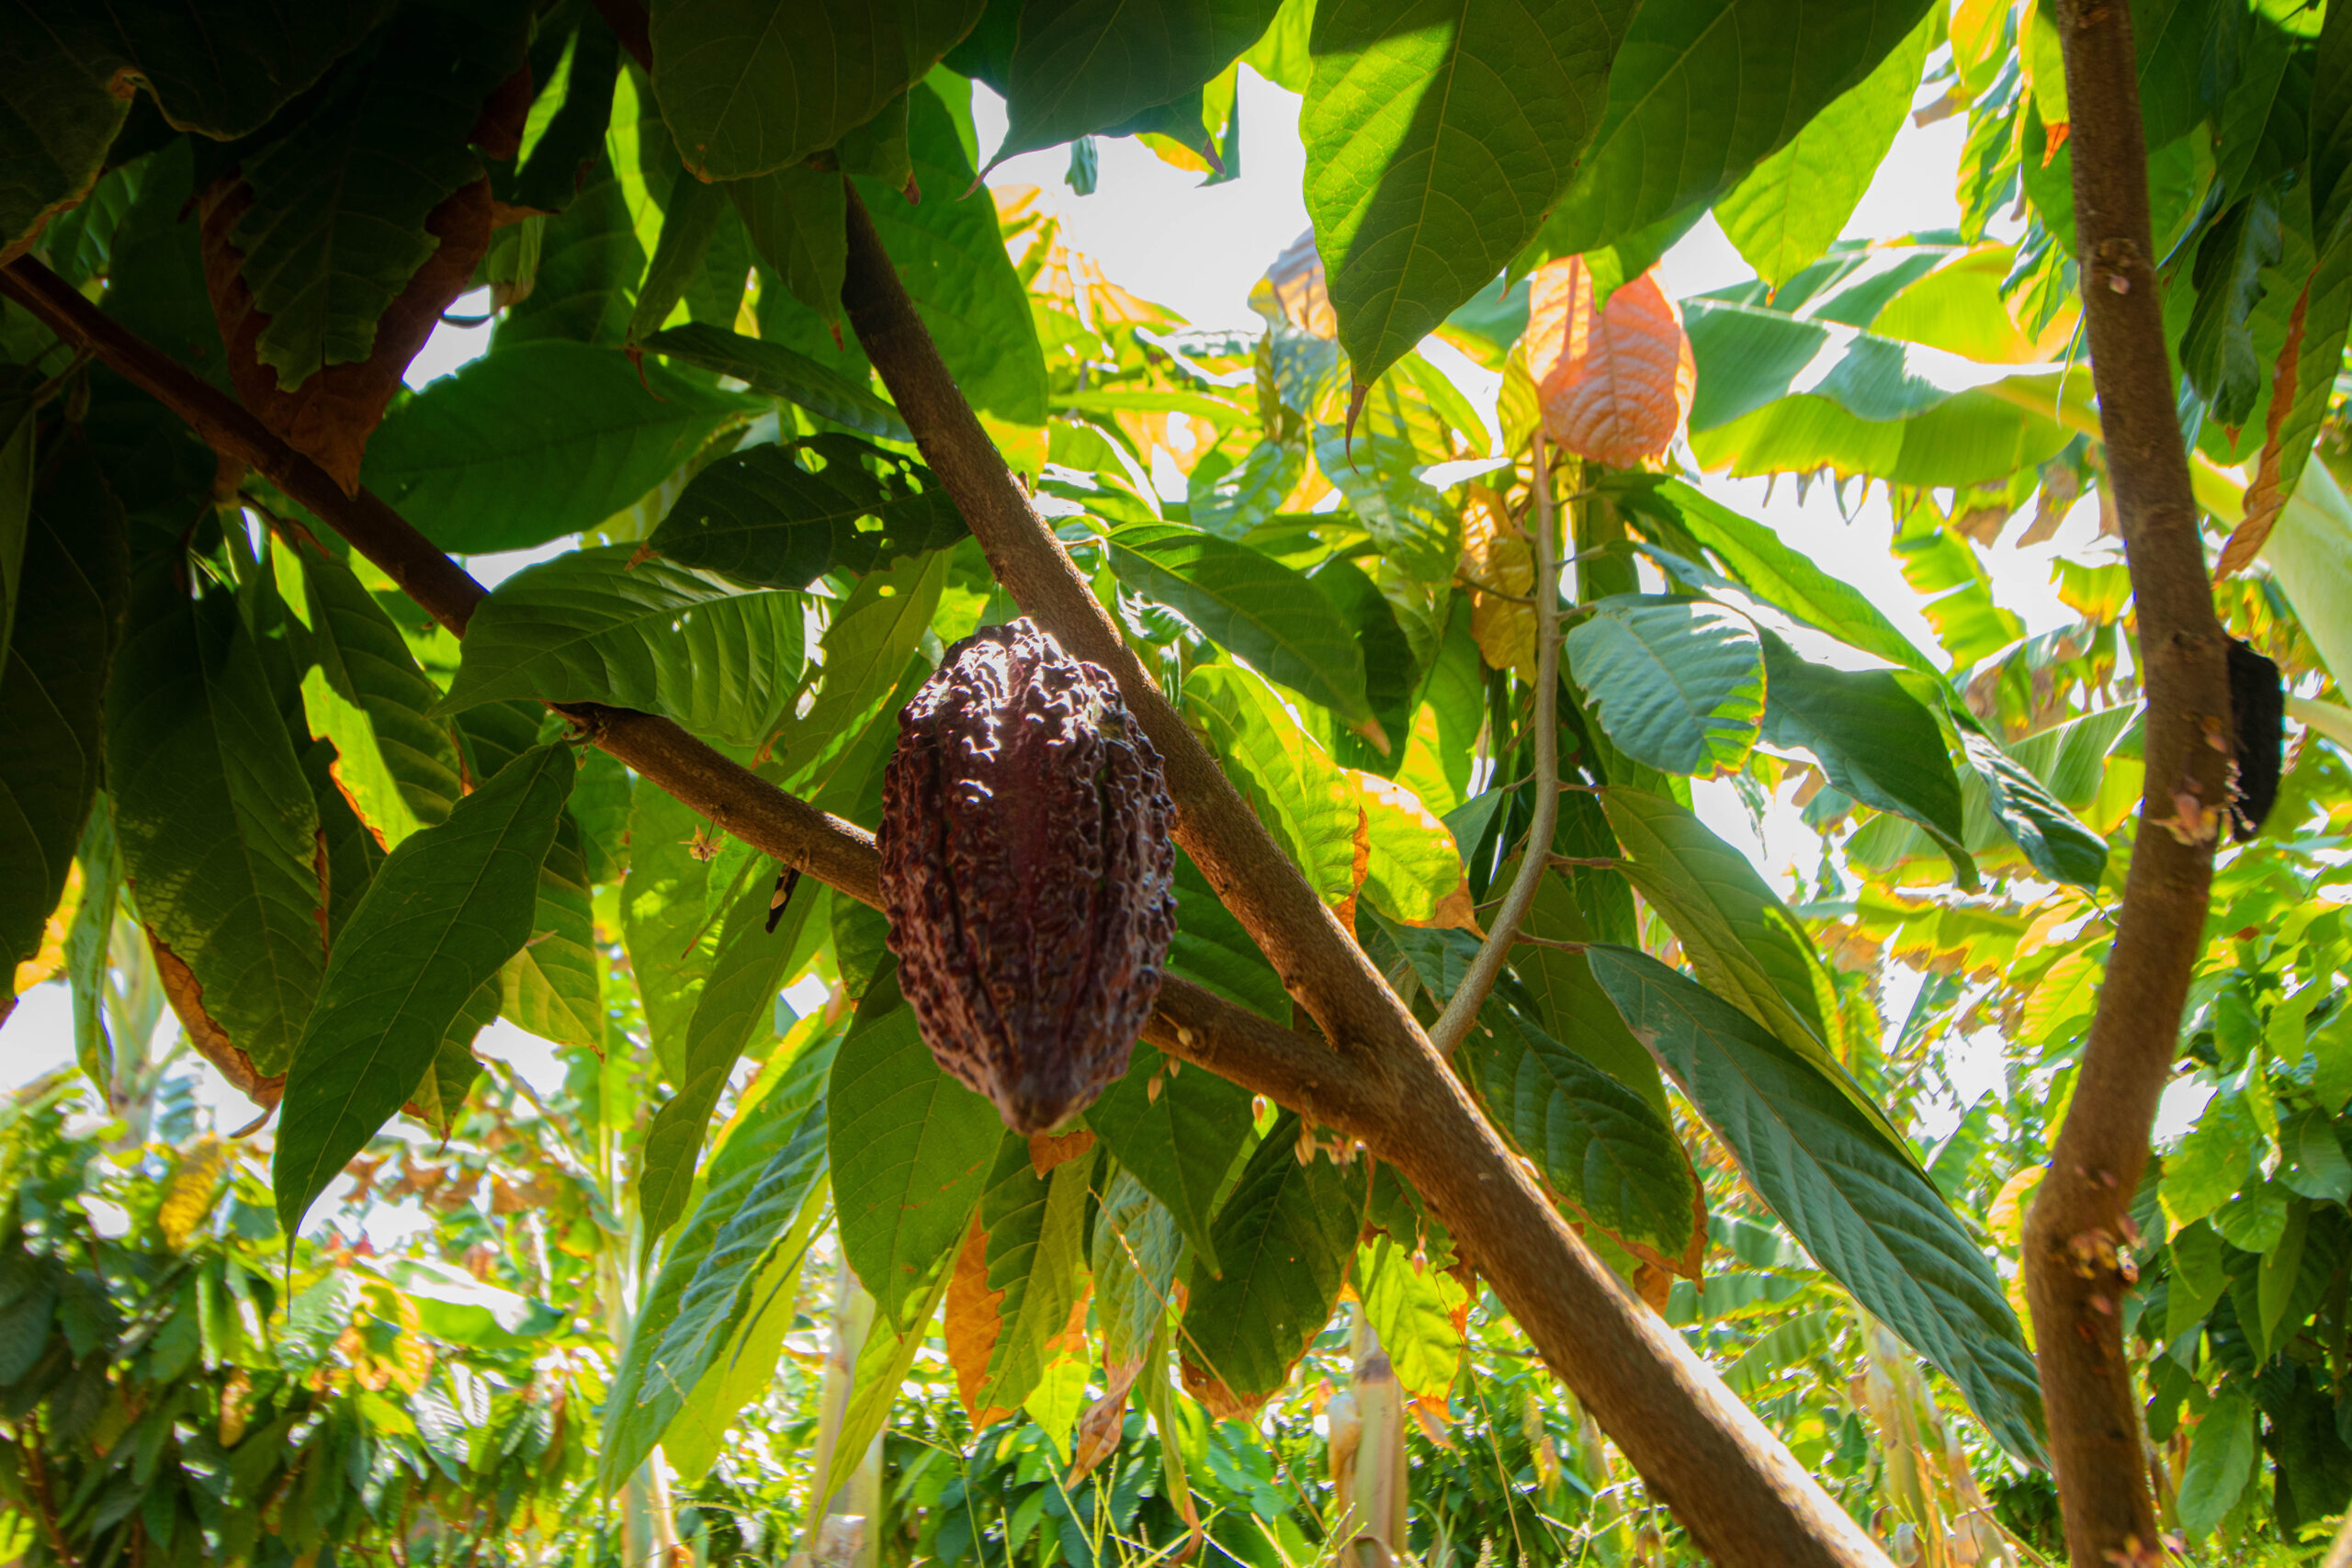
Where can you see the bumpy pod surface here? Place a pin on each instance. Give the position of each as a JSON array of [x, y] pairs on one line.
[[1027, 872]]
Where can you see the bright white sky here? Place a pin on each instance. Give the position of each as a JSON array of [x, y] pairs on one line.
[[1158, 233]]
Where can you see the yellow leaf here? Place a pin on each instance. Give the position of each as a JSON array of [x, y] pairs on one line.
[[189, 1195], [1496, 557]]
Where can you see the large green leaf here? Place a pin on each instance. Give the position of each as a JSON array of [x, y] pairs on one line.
[[590, 260], [875, 635], [689, 224], [782, 516], [53, 686], [1702, 90], [1034, 1258], [1178, 1138], [1600, 1145], [1558, 983], [554, 988], [1750, 355], [782, 372], [589, 627], [1392, 671], [704, 1289], [734, 1012], [1742, 941], [1786, 213], [1874, 740], [2057, 844], [15, 504], [71, 67], [218, 835], [1779, 576], [395, 765], [1214, 950], [910, 1149], [796, 221], [1850, 1193], [1439, 134], [749, 86], [1137, 1246], [883, 1361], [1252, 606], [1285, 1237], [669, 936], [1677, 683], [537, 441], [450, 905], [1306, 801], [1083, 66], [950, 253]]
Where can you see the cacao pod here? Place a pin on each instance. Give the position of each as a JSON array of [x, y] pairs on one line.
[[1027, 872]]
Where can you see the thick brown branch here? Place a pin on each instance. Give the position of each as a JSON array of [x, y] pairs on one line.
[[2079, 1232], [1727, 1478]]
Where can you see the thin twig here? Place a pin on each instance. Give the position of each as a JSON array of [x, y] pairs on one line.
[[1487, 966]]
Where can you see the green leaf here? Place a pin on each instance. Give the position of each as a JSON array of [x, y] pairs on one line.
[[537, 441], [571, 142], [1392, 674], [215, 820], [440, 1095], [70, 65], [1410, 1305], [1568, 1004], [950, 253], [72, 582], [337, 224], [2217, 348], [1437, 138], [450, 905], [16, 506], [1286, 1237], [88, 940], [1677, 683], [1213, 950], [750, 1214], [1702, 90], [1237, 500], [1178, 1139], [1600, 1145], [1743, 942], [669, 938], [589, 627], [1252, 606], [1785, 213], [2315, 1166], [590, 260], [1136, 1247], [1035, 1260], [749, 86], [874, 636], [910, 1149], [1874, 740], [2220, 1462], [1083, 66], [395, 765], [883, 1362], [554, 987], [735, 1011], [1782, 576], [782, 516], [796, 220], [780, 372], [2209, 1165], [1853, 1197], [1290, 782], [688, 226], [2058, 844]]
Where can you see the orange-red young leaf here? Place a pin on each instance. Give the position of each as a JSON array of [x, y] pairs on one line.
[[1614, 384]]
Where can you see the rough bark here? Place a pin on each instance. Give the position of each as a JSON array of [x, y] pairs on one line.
[[1727, 1478], [2078, 1236], [1743, 1496]]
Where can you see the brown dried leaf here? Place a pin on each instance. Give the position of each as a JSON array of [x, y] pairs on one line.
[[1614, 388], [329, 417], [211, 1041], [1047, 1150], [974, 1322]]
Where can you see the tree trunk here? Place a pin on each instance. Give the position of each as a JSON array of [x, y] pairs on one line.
[[2079, 1235]]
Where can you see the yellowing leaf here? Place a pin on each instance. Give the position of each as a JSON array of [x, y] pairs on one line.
[[973, 1325], [50, 955], [1614, 384], [1412, 868], [189, 1195], [1501, 569]]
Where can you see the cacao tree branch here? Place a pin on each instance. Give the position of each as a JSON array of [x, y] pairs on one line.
[[1195, 1024], [2078, 1236], [1730, 1481], [1485, 969]]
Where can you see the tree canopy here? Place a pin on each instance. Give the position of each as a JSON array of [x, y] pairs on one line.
[[1481, 1055]]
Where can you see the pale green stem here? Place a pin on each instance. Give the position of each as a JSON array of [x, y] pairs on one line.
[[1454, 1024]]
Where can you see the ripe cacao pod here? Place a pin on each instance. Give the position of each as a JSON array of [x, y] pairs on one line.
[[1027, 872]]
